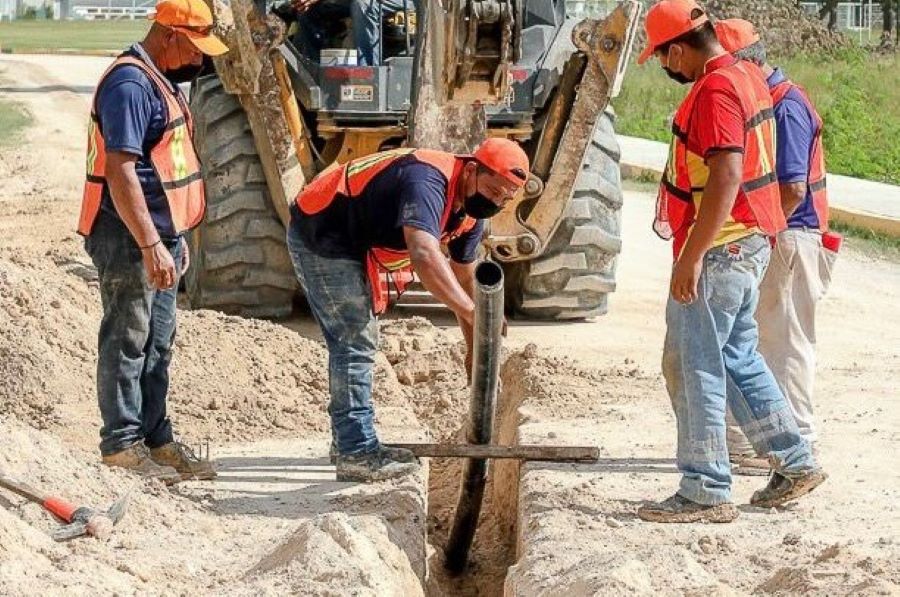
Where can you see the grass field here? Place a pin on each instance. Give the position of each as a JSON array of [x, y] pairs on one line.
[[857, 95], [13, 119], [29, 36]]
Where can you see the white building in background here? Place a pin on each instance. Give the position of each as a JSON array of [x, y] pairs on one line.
[[80, 9]]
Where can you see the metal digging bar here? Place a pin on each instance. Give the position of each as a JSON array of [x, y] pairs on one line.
[[482, 403]]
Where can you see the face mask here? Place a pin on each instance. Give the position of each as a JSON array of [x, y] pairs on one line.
[[184, 74], [676, 76], [480, 207]]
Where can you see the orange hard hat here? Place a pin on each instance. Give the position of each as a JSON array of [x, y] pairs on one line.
[[505, 158], [193, 19], [736, 34], [669, 19]]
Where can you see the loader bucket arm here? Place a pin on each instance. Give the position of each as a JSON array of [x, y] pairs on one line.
[[254, 71], [606, 46]]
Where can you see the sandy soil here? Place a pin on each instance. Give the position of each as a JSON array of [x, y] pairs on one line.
[[256, 390]]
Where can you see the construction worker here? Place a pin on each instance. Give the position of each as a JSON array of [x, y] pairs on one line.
[[718, 200], [365, 225], [142, 192], [799, 272], [313, 16]]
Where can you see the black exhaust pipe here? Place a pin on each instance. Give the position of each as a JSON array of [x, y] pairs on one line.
[[482, 404]]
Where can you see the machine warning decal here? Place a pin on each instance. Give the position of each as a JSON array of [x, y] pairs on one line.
[[357, 93]]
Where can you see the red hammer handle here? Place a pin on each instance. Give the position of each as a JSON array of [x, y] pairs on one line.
[[60, 508]]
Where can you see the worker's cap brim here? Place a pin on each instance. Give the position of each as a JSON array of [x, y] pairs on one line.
[[209, 44]]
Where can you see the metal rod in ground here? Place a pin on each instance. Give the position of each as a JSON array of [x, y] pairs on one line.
[[536, 453], [482, 401]]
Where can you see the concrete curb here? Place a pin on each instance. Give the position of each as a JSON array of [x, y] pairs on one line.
[[845, 215]]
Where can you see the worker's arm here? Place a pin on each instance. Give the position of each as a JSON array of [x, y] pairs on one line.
[[436, 273], [725, 169], [465, 275], [792, 195], [796, 135], [128, 198]]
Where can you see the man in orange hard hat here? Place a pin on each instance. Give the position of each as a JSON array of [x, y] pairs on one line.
[[360, 227], [803, 256], [142, 191], [718, 200]]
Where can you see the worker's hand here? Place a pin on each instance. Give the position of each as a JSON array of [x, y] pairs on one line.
[[302, 6], [685, 278], [467, 326], [160, 266], [185, 256]]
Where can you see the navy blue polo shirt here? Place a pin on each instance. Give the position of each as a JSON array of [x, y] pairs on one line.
[[796, 130], [406, 193], [133, 116]]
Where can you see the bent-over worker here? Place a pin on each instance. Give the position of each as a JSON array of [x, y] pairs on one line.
[[357, 227]]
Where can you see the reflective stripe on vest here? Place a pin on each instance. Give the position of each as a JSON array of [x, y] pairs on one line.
[[815, 180], [684, 178], [173, 158], [385, 267]]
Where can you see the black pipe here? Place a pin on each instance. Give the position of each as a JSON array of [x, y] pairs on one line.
[[482, 403]]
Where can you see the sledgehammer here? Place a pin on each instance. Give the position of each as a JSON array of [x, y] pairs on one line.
[[80, 520]]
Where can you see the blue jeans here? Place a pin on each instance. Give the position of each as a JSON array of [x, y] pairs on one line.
[[135, 340], [341, 302], [710, 343], [366, 26]]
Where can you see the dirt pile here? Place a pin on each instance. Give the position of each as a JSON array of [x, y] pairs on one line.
[[232, 378], [784, 26], [337, 550], [174, 541], [131, 560]]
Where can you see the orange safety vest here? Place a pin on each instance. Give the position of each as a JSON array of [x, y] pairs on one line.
[[815, 180], [173, 157], [384, 266], [684, 179]]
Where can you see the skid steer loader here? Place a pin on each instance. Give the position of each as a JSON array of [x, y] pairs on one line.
[[269, 118]]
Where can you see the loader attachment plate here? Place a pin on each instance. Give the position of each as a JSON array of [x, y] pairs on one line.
[[606, 44]]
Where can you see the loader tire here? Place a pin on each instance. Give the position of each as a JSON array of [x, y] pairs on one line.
[[576, 272], [239, 259]]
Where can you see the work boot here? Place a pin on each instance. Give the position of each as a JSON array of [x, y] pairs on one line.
[[378, 465], [180, 457], [750, 465], [399, 454], [681, 509], [785, 488], [136, 458]]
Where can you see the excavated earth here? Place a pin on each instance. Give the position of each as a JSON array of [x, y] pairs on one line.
[[276, 521]]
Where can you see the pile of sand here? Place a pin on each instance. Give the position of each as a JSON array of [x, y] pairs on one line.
[[233, 379], [173, 541]]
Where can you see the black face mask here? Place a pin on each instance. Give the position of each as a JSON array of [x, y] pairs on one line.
[[676, 76], [184, 74], [480, 207]]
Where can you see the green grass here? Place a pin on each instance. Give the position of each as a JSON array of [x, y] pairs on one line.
[[857, 95], [29, 36], [13, 119]]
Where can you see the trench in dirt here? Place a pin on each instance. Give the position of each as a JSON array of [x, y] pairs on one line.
[[494, 547]]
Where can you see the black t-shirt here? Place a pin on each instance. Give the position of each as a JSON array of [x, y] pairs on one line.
[[406, 193]]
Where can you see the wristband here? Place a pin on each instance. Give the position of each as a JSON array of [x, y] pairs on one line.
[[151, 245]]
